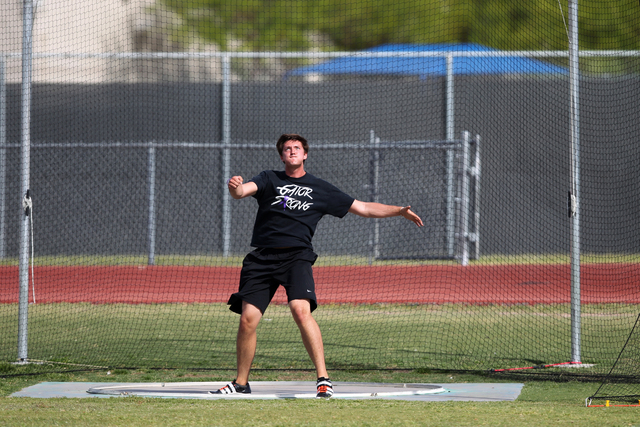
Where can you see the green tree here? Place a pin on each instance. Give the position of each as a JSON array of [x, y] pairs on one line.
[[357, 24], [349, 24], [257, 24], [354, 25], [543, 24]]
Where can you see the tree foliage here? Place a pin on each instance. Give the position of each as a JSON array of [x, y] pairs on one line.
[[287, 25]]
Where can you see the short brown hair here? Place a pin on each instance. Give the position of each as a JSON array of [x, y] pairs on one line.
[[291, 137]]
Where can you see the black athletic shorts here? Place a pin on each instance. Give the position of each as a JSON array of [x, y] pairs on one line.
[[264, 269]]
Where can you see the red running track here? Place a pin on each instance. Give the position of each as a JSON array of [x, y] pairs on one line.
[[432, 284]]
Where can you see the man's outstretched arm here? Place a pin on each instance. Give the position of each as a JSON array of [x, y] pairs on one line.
[[238, 190], [378, 210]]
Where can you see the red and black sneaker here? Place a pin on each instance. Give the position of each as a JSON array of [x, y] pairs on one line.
[[233, 388], [325, 388]]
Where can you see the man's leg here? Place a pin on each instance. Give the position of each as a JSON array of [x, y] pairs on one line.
[[246, 340], [311, 335]]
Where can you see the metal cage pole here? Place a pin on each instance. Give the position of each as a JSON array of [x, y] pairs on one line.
[[574, 196], [25, 172]]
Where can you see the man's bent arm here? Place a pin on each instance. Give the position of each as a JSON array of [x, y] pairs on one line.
[[379, 210], [238, 190]]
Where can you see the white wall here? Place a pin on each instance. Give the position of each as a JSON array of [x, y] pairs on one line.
[[98, 26]]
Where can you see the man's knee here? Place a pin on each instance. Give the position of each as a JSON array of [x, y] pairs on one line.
[[300, 309], [250, 316]]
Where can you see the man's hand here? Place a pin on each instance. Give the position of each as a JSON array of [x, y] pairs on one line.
[[234, 182], [411, 216], [235, 186], [238, 189]]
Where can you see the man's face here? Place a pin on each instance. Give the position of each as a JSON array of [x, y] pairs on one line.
[[293, 153]]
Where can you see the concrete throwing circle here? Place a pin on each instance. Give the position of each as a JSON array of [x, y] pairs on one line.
[[270, 390]]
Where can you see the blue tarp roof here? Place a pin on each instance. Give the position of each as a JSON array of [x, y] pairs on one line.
[[430, 66]]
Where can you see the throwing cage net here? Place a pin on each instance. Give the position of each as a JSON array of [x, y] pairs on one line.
[[138, 112], [620, 385]]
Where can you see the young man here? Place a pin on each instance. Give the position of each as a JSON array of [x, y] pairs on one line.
[[290, 204]]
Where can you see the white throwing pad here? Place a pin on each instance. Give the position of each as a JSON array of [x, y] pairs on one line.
[[268, 390]]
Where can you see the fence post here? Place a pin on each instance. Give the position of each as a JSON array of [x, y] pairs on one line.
[[463, 240], [152, 203], [3, 155], [374, 143], [477, 173], [226, 154], [450, 125]]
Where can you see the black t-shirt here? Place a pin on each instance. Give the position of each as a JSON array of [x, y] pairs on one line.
[[289, 208]]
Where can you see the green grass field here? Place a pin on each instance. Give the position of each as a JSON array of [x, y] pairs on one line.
[[448, 336], [541, 403], [372, 343], [214, 260]]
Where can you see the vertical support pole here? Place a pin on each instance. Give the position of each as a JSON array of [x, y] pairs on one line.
[[3, 156], [450, 129], [574, 202], [25, 173], [374, 143], [151, 176], [450, 118], [478, 172], [463, 237], [226, 154]]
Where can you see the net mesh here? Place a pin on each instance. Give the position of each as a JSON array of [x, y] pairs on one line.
[[620, 385], [141, 110]]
